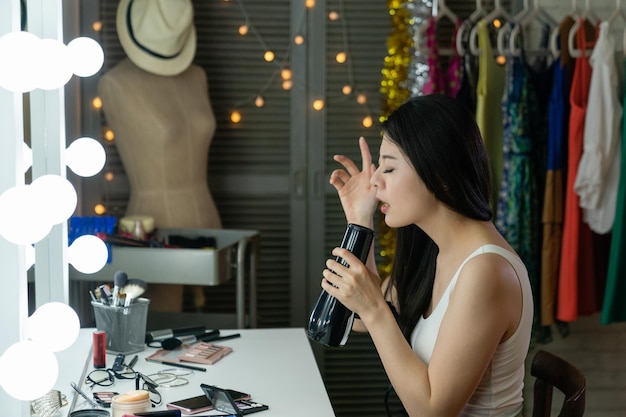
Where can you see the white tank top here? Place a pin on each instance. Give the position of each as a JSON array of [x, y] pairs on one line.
[[499, 392]]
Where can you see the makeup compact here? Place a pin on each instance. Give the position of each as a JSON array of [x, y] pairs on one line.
[[89, 413]]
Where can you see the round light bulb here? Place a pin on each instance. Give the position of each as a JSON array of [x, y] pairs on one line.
[[99, 209], [54, 57], [56, 198], [97, 26], [287, 84], [19, 71], [269, 56], [298, 40], [333, 15], [20, 216], [28, 370], [235, 117], [86, 56], [341, 57], [88, 254], [54, 326], [259, 101], [309, 4], [347, 90], [85, 157], [361, 99], [368, 122], [109, 176], [243, 30]]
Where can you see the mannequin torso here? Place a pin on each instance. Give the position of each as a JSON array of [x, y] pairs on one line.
[[163, 128]]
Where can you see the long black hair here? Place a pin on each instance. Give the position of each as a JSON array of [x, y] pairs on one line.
[[440, 138]]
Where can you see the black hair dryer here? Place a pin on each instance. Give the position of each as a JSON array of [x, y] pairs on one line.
[[331, 322]]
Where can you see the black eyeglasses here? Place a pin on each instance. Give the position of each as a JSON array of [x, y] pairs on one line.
[[148, 385], [106, 377]]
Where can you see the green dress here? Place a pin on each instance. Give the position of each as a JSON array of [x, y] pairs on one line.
[[614, 307]]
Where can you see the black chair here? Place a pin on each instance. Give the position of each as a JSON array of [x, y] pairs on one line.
[[553, 371]]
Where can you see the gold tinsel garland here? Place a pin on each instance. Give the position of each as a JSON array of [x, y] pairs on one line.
[[394, 73]]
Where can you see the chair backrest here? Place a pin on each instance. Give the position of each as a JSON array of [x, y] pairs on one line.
[[552, 371]]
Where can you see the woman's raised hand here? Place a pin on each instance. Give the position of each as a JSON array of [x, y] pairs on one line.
[[357, 195]]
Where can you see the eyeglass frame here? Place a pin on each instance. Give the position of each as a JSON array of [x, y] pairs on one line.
[[126, 373]]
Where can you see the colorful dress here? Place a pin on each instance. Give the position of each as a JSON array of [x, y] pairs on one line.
[[577, 263], [518, 215], [440, 81]]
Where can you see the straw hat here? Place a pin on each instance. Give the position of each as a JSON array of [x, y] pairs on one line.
[[158, 36]]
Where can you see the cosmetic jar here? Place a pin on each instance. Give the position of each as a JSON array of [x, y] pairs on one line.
[[130, 402]]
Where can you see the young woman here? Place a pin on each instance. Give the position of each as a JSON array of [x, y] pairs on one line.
[[452, 323]]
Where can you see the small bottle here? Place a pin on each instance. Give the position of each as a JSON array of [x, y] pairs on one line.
[[331, 322]]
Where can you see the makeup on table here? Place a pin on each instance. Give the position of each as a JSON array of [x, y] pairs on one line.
[[125, 290]]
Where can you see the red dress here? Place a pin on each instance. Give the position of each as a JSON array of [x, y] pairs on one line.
[[576, 288]]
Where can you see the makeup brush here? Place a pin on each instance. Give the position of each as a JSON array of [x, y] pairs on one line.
[[119, 281], [133, 289]]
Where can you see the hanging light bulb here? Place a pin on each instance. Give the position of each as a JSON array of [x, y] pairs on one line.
[[109, 135], [96, 103], [269, 56], [367, 121], [318, 104], [333, 15], [99, 209], [97, 26], [109, 176], [235, 117], [285, 74], [361, 98], [259, 101], [287, 84], [309, 4], [298, 39], [347, 90], [341, 57], [243, 30]]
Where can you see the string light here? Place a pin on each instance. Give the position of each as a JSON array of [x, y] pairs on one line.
[[235, 117], [318, 104], [99, 209], [109, 135], [96, 103], [286, 75], [269, 56]]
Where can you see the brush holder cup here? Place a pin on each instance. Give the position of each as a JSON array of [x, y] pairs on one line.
[[125, 327]]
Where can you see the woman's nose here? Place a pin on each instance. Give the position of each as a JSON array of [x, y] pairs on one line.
[[374, 179]]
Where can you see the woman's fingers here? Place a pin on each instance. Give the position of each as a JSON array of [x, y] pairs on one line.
[[366, 156]]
